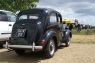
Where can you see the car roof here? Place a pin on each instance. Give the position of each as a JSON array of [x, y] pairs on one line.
[[46, 10], [5, 11]]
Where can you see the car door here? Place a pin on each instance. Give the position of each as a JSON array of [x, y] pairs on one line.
[[12, 19], [3, 26], [54, 25], [59, 20]]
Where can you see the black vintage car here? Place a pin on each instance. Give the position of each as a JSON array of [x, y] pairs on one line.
[[37, 29]]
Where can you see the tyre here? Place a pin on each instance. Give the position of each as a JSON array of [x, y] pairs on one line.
[[20, 52], [67, 43], [50, 49], [1, 45]]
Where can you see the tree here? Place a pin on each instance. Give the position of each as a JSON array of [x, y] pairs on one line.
[[15, 5]]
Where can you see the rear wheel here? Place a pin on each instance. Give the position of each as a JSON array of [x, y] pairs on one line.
[[20, 52], [1, 45], [50, 49]]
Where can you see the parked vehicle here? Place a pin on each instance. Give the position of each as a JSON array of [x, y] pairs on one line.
[[37, 29], [7, 20]]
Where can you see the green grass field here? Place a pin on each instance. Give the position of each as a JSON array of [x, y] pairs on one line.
[[84, 32]]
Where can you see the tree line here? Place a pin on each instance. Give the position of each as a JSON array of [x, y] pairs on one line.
[[15, 5]]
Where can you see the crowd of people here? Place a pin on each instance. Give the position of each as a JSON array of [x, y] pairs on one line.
[[78, 27], [66, 26]]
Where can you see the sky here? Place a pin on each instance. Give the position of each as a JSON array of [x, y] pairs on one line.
[[83, 10]]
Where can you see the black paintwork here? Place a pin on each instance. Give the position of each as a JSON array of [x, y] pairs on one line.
[[37, 30]]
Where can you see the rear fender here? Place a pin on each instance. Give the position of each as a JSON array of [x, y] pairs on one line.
[[49, 34], [67, 33]]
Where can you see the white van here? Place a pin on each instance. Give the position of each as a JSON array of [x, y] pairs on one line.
[[7, 19]]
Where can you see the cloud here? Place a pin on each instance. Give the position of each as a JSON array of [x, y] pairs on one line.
[[80, 9]]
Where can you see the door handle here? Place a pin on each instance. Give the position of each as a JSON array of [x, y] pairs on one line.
[[10, 24]]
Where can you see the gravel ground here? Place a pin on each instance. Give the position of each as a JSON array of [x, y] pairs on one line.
[[81, 50], [76, 53]]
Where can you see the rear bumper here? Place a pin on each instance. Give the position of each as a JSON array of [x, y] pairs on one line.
[[33, 47]]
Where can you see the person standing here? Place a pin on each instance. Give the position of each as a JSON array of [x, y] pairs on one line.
[[70, 28], [78, 28]]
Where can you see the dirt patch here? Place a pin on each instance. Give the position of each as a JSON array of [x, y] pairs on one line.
[[83, 39], [76, 53]]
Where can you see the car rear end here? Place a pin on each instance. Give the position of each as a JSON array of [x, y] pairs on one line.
[[25, 33]]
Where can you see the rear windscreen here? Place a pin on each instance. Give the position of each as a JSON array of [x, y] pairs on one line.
[[32, 16]]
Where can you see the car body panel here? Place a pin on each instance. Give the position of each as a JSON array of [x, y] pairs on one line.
[[3, 30], [6, 25]]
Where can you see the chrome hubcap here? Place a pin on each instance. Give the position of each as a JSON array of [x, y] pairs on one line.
[[52, 47], [69, 40]]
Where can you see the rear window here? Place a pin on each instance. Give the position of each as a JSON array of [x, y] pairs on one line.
[[34, 16], [8, 16]]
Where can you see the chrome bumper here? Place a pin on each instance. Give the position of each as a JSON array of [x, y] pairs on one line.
[[32, 47]]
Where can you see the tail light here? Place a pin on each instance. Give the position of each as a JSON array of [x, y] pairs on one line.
[[43, 42]]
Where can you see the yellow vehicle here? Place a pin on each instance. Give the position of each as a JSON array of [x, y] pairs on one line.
[[69, 21]]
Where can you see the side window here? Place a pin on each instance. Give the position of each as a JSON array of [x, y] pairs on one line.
[[53, 18], [3, 17], [59, 19], [23, 17], [11, 17]]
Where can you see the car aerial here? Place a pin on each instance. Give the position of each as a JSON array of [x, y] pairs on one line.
[[37, 29], [7, 19]]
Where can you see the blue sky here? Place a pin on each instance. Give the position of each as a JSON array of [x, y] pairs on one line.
[[83, 10]]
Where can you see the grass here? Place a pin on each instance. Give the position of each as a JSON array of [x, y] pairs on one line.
[[84, 36], [84, 32]]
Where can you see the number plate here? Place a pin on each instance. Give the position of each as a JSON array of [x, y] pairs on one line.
[[21, 33]]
